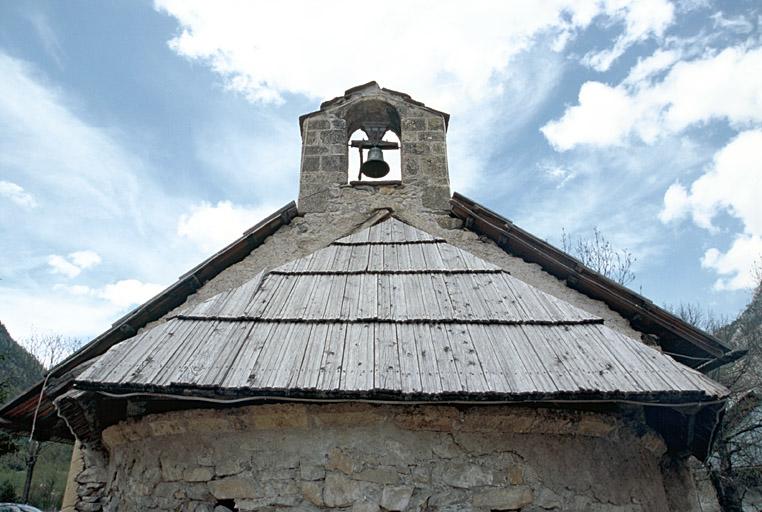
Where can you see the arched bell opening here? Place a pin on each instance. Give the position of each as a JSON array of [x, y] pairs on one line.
[[373, 112], [391, 157], [373, 137]]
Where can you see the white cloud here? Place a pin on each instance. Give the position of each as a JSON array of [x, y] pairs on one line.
[[77, 311], [265, 51], [646, 68], [643, 19], [129, 292], [677, 204], [737, 263], [76, 289], [479, 72], [74, 264], [732, 184], [738, 24], [29, 311], [726, 86], [85, 259], [212, 227], [556, 173], [60, 265], [602, 118], [122, 294], [17, 194]]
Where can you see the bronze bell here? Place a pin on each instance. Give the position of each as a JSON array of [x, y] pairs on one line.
[[374, 166]]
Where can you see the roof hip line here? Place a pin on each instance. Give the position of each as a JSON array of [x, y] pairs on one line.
[[387, 272], [400, 242], [374, 320]]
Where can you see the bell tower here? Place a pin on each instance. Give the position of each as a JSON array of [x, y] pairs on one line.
[[326, 184]]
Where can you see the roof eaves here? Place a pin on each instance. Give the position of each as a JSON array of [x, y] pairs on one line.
[[633, 306], [685, 420]]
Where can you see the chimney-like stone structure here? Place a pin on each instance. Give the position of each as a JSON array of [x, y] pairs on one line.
[[325, 185]]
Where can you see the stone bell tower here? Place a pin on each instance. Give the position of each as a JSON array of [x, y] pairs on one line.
[[326, 184]]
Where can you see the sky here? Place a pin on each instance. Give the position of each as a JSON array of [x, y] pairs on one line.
[[138, 138]]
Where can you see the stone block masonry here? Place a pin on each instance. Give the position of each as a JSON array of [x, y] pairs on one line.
[[324, 175], [360, 457]]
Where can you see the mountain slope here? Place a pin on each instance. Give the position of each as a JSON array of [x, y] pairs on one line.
[[743, 329], [18, 368]]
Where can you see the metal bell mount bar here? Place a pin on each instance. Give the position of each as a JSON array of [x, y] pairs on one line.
[[375, 166]]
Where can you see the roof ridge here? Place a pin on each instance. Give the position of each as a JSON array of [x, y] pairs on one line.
[[385, 227]]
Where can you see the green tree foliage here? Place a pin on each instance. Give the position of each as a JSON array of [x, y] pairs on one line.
[[7, 492], [50, 473], [7, 443]]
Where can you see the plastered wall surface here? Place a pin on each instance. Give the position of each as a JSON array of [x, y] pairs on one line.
[[363, 457]]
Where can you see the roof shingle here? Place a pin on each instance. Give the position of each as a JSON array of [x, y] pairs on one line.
[[393, 311]]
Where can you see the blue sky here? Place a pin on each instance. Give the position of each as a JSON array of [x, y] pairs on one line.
[[137, 138]]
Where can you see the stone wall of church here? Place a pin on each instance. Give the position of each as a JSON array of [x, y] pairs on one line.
[[364, 458]]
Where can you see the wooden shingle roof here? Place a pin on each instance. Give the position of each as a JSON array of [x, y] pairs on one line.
[[393, 312]]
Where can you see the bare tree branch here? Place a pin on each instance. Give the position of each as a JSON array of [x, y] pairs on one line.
[[598, 254], [49, 350]]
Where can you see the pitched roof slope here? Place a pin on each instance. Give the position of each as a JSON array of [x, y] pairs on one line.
[[393, 312], [686, 342]]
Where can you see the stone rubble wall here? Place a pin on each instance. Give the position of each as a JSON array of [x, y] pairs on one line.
[[365, 458], [91, 479]]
